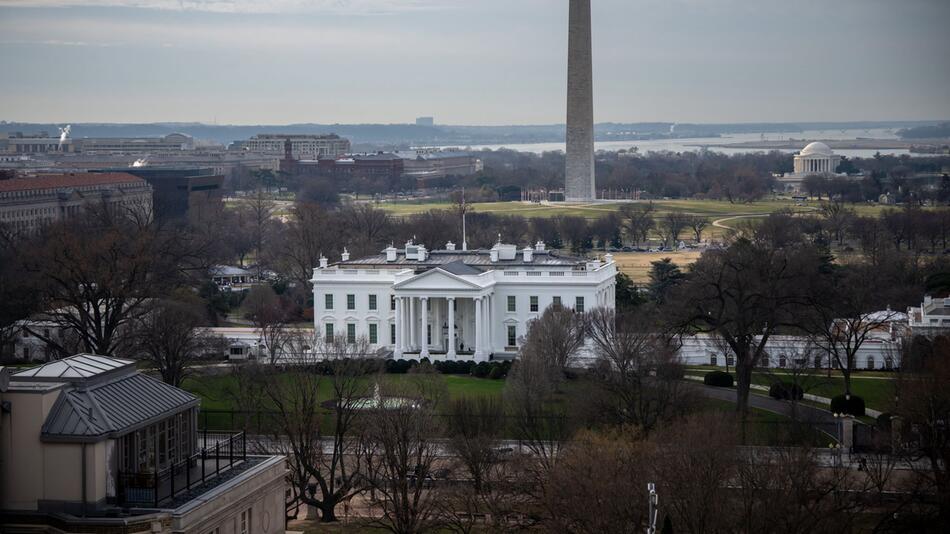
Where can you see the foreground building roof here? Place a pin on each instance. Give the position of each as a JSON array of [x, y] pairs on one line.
[[102, 398]]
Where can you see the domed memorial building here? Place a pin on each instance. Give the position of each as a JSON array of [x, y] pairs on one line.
[[816, 158]]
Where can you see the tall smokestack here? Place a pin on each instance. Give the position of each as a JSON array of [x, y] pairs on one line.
[[580, 105]]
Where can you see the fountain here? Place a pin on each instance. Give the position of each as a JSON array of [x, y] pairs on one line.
[[378, 401]]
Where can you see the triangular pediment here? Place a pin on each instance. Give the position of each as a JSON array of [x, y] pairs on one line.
[[437, 279]]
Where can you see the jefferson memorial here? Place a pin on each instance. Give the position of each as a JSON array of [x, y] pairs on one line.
[[453, 304], [815, 159]]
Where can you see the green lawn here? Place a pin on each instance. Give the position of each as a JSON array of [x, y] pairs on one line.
[[217, 392]]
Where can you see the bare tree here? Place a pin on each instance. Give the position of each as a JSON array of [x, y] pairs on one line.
[[557, 336], [672, 225], [744, 294], [842, 316], [269, 315], [697, 223], [923, 393], [599, 485], [94, 279], [474, 426], [169, 336], [839, 218], [694, 459], [403, 459], [323, 440], [638, 367], [261, 211], [638, 220]]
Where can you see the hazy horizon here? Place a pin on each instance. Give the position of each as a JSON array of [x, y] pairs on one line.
[[491, 62]]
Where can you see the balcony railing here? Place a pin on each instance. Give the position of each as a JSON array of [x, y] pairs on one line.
[[210, 462]]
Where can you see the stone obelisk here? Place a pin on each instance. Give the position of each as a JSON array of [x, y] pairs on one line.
[[580, 105]]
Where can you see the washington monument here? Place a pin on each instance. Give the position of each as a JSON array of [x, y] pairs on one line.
[[579, 175]]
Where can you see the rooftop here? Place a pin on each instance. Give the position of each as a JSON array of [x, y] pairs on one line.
[[472, 261], [112, 409], [67, 180], [74, 368]]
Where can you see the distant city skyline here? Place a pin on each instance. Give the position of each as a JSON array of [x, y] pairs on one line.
[[462, 62]]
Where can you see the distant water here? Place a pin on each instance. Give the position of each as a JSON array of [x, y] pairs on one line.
[[683, 145]]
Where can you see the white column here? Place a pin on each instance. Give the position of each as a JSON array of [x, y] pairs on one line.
[[410, 309], [486, 327], [451, 304], [479, 354], [397, 353], [425, 328]]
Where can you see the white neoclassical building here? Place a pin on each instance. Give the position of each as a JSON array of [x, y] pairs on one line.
[[453, 304], [815, 159]]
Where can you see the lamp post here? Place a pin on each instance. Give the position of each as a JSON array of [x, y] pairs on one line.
[[651, 514]]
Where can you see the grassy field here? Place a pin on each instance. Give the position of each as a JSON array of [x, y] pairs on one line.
[[637, 264], [709, 208]]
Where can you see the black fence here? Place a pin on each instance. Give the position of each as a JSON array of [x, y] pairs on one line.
[[157, 488]]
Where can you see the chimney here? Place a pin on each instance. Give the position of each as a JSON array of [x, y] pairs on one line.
[[345, 256], [609, 258], [390, 253], [323, 261], [494, 255], [539, 246], [528, 254], [423, 253], [450, 246]]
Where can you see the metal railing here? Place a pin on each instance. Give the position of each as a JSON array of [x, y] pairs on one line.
[[156, 488]]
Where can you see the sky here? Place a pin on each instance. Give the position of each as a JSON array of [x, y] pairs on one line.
[[470, 61]]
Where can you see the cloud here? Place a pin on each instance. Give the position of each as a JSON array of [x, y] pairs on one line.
[[357, 7]]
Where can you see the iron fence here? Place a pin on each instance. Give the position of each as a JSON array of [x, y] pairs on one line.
[[160, 487]]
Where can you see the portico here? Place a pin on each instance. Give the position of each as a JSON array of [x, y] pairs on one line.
[[441, 313]]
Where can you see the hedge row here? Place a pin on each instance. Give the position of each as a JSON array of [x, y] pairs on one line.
[[720, 379], [786, 391], [494, 370]]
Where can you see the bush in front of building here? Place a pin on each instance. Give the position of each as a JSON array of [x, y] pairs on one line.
[[497, 372], [786, 391], [481, 370], [399, 367], [853, 405], [720, 379]]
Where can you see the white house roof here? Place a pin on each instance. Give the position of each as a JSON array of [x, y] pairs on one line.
[[478, 259], [78, 367], [816, 149]]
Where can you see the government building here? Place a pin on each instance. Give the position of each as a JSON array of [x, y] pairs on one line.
[[453, 304]]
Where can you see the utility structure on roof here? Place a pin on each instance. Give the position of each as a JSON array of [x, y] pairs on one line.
[[579, 171]]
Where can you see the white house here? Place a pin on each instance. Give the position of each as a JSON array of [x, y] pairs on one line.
[[453, 304]]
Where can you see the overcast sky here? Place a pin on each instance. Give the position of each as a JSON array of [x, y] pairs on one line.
[[470, 61]]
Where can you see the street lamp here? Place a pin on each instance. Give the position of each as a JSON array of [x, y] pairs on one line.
[[651, 514]]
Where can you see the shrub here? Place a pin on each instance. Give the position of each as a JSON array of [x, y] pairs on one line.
[[853, 406], [786, 391], [399, 366], [497, 372], [719, 379], [481, 370]]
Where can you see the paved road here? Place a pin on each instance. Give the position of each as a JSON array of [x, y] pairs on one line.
[[822, 419]]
